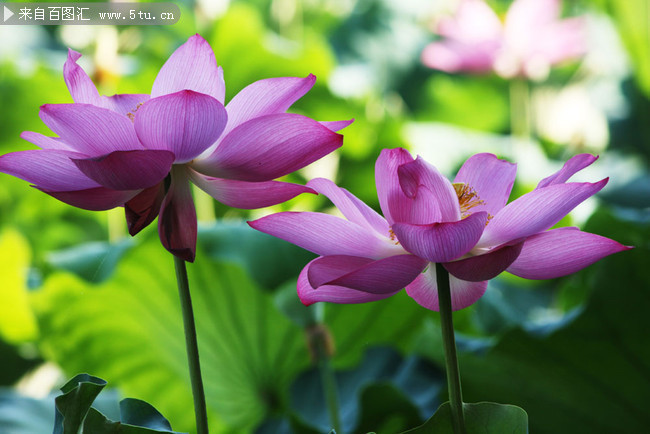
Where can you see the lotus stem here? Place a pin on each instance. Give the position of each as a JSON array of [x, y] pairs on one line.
[[192, 347], [322, 349], [520, 116], [449, 346]]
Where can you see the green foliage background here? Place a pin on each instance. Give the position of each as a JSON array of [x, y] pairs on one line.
[[77, 295]]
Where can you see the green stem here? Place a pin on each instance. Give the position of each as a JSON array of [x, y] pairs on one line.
[[520, 116], [192, 347], [321, 346], [449, 346]]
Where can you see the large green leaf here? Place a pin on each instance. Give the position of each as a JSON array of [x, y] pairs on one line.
[[480, 418], [129, 331], [269, 260], [383, 389], [593, 375]]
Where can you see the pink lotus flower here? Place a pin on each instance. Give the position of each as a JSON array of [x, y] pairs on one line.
[[527, 44], [140, 151], [465, 225]]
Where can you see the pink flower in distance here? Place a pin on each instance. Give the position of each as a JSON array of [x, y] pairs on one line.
[[465, 225], [141, 151], [530, 40]]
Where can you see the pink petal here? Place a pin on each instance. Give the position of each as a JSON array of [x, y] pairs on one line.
[[185, 123], [326, 235], [45, 142], [127, 170], [352, 208], [191, 67], [424, 290], [269, 147], [453, 56], [177, 219], [562, 251], [248, 195], [144, 208], [420, 173], [441, 242], [91, 130], [93, 199], [48, 169], [486, 266], [336, 125], [526, 20], [390, 194], [563, 40], [126, 103], [536, 211], [571, 167], [266, 97], [491, 178], [331, 293], [474, 22], [384, 276], [81, 87]]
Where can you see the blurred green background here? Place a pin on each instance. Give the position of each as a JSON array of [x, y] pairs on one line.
[[77, 294]]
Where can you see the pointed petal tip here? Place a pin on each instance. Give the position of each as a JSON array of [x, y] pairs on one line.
[[73, 55]]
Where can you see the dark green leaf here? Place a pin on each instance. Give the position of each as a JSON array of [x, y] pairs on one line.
[[593, 375], [97, 423], [269, 260], [141, 413], [383, 389], [71, 407], [94, 261], [480, 418]]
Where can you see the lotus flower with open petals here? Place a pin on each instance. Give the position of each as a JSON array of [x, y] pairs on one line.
[[141, 151], [465, 225], [531, 39]]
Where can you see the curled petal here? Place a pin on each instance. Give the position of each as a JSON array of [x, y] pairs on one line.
[[177, 219], [441, 242], [248, 195], [332, 293], [424, 290], [562, 251], [420, 173], [144, 208], [81, 87], [352, 208], [390, 194], [127, 170], [93, 199], [484, 267], [574, 165], [326, 235], [266, 97], [536, 211], [268, 147], [384, 276], [185, 123], [492, 180], [91, 130], [51, 170], [191, 67], [336, 125]]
